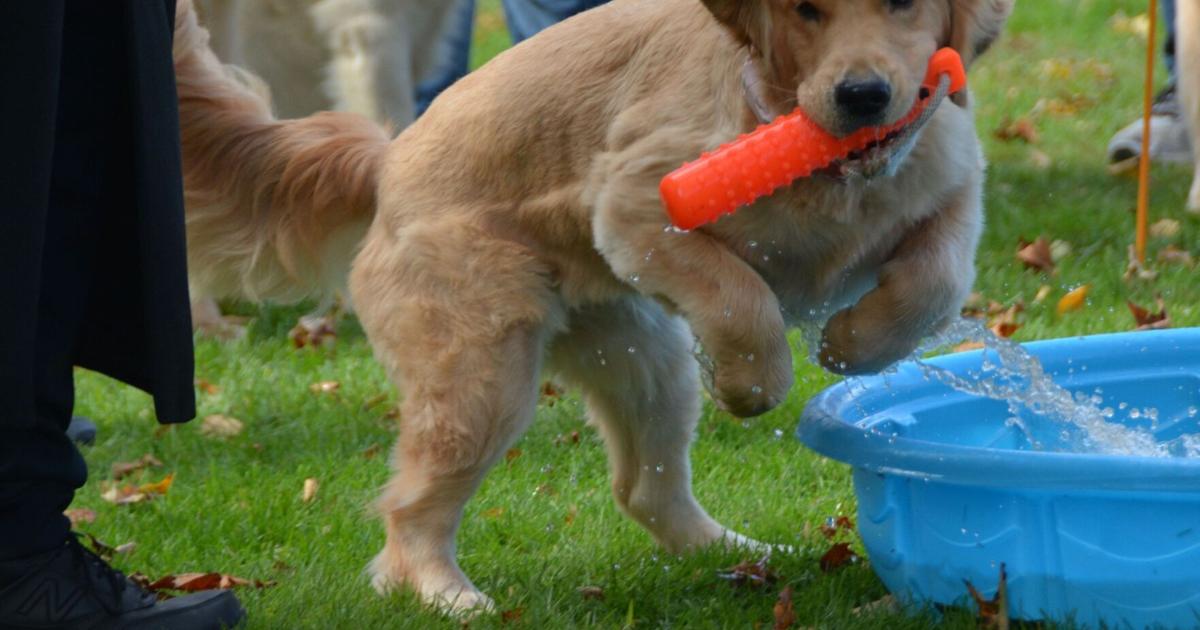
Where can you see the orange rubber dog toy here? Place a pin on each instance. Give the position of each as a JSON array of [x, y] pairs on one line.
[[777, 154]]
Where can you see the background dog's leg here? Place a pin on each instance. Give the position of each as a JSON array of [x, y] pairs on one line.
[[460, 321], [634, 365], [1187, 56]]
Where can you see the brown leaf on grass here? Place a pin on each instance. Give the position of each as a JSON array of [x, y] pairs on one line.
[[106, 551], [1173, 255], [315, 330], [1147, 320], [128, 493], [570, 438], [974, 305], [493, 513], [310, 490], [838, 556], [1036, 255], [591, 592], [371, 451], [512, 616], [1022, 129], [195, 582], [1166, 228], [1003, 323], [221, 426], [886, 604], [993, 613], [785, 615], [550, 393], [1136, 269], [325, 387], [832, 526], [79, 516], [753, 574], [512, 454], [121, 470], [207, 387], [545, 490], [572, 512]]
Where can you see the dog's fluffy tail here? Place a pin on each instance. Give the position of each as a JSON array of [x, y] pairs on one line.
[[275, 208]]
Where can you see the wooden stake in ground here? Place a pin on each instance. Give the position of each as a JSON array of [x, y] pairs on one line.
[[1143, 207]]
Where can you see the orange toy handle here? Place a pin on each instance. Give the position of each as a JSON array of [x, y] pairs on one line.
[[777, 154]]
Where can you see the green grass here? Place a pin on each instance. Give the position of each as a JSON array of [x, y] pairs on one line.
[[236, 505]]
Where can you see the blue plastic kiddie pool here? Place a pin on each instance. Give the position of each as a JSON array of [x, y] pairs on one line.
[[949, 490]]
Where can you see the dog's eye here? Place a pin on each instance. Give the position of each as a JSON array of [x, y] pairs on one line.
[[809, 11], [900, 5]]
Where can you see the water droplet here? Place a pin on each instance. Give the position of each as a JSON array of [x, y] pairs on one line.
[[631, 350], [778, 434], [756, 390], [753, 244], [659, 468], [750, 357], [635, 278]]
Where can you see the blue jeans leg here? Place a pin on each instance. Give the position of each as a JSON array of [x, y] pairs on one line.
[[456, 65], [527, 17]]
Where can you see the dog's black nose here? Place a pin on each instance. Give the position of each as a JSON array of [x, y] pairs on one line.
[[863, 99]]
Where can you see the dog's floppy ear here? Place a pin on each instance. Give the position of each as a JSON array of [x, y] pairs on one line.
[[734, 14], [975, 24]]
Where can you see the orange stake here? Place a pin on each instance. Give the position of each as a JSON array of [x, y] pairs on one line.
[[1143, 206]]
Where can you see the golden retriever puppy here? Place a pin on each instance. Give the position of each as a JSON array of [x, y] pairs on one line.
[[516, 228]]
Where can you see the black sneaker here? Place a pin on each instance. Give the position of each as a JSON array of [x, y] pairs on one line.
[[71, 587]]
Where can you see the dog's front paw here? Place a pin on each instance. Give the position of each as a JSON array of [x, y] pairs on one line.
[[750, 384], [850, 346]]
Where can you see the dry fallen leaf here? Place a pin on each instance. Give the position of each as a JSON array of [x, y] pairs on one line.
[[495, 512], [1043, 293], [512, 454], [886, 604], [374, 401], [1003, 323], [968, 346], [570, 438], [1166, 228], [993, 613], [1074, 300], [1147, 320], [207, 387], [512, 616], [126, 494], [832, 526], [310, 489], [221, 426], [748, 573], [315, 330], [1022, 128], [785, 615], [550, 393], [120, 470], [78, 516], [371, 451], [1136, 269], [195, 582], [838, 556], [325, 387], [591, 592], [1036, 255], [1173, 255]]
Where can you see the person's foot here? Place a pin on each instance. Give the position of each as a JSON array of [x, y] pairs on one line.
[[71, 587], [82, 431], [1169, 138]]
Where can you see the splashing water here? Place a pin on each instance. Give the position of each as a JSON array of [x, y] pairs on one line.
[[1049, 416]]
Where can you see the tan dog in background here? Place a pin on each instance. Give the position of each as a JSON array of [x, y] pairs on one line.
[[1187, 58], [516, 228]]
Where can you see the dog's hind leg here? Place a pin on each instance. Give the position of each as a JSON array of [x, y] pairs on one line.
[[1187, 42], [640, 381], [460, 321]]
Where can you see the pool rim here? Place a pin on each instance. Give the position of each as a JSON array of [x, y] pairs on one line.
[[824, 428]]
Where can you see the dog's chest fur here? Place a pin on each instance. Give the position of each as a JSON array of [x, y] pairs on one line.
[[821, 243]]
